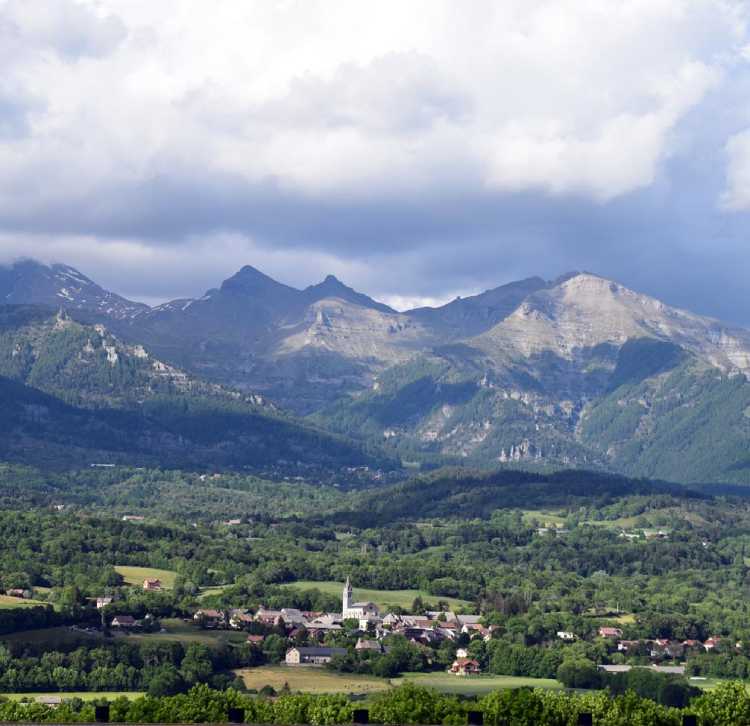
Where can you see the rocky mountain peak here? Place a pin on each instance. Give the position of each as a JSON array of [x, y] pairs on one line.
[[250, 280], [34, 283], [333, 287]]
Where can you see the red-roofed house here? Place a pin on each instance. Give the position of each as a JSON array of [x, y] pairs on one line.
[[465, 667]]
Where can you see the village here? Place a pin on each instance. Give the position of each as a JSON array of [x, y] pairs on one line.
[[312, 636], [315, 628]]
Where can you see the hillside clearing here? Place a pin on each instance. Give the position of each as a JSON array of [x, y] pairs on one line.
[[136, 575]]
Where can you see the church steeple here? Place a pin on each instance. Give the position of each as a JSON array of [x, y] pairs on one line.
[[346, 600]]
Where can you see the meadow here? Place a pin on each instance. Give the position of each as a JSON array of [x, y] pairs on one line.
[[310, 679], [474, 685], [8, 602]]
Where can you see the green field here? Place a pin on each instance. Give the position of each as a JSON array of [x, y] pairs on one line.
[[7, 602], [310, 679], [382, 598], [83, 695], [212, 590], [474, 685], [136, 575]]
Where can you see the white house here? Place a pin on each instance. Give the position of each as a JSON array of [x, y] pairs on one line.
[[312, 656]]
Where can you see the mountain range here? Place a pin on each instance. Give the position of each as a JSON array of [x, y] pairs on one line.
[[578, 371]]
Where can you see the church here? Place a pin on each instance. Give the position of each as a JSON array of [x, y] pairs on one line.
[[357, 610]]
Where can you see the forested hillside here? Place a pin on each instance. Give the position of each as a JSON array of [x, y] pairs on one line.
[[75, 394]]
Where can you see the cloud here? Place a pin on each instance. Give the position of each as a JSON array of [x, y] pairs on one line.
[[736, 195], [454, 145], [69, 28], [332, 99]]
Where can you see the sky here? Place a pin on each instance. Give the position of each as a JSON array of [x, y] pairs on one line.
[[417, 149]]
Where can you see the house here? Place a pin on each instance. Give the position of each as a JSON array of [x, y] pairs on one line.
[[152, 584], [323, 624], [711, 643], [610, 632], [312, 656], [268, 617], [255, 639], [239, 619], [365, 644], [102, 602], [123, 621], [566, 635], [465, 667], [615, 668], [292, 616], [391, 620], [469, 620], [16, 592], [210, 618]]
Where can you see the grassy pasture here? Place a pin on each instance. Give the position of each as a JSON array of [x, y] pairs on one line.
[[382, 598], [310, 679], [7, 602], [474, 685]]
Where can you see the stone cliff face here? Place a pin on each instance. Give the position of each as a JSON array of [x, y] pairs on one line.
[[582, 372]]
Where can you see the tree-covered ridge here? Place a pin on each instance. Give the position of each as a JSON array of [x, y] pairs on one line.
[[461, 493], [86, 365]]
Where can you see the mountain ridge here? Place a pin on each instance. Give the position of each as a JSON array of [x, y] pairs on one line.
[[579, 371]]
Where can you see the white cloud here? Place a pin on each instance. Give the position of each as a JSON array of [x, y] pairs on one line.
[[736, 196], [335, 97]]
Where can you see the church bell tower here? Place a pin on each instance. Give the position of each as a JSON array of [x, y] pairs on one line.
[[346, 600]]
